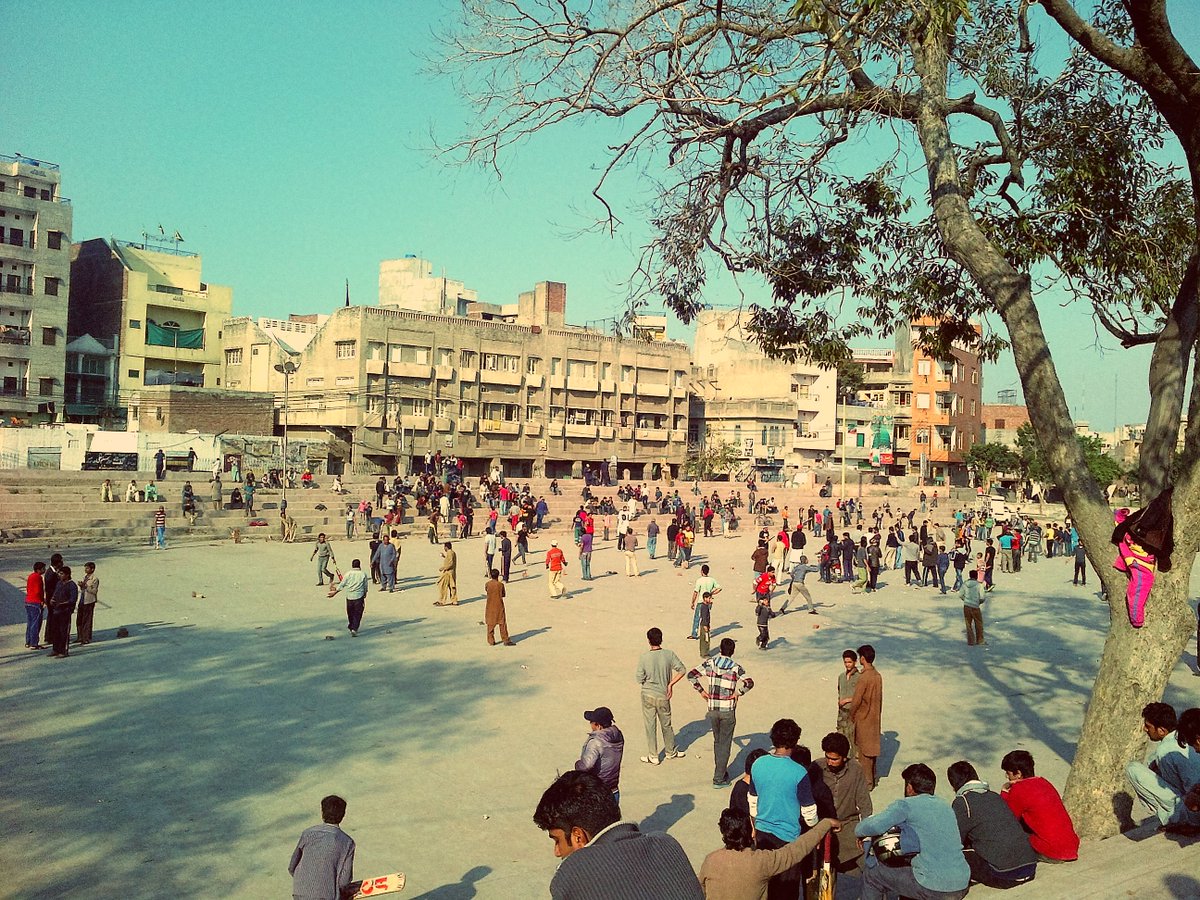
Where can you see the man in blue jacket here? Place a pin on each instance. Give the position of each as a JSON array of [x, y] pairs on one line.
[[939, 870]]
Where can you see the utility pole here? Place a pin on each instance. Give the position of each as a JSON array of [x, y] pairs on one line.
[[288, 369]]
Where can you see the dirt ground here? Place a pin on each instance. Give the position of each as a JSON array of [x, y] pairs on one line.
[[184, 760]]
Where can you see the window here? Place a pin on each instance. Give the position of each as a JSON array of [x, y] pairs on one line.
[[555, 366], [531, 413], [999, 423], [407, 353], [135, 412], [233, 356], [972, 407], [137, 323], [415, 406], [49, 337], [860, 439], [501, 362], [375, 350], [45, 387], [606, 371], [466, 409], [374, 403], [132, 373], [533, 365], [31, 192], [445, 356], [442, 409], [922, 401], [922, 436], [923, 367], [502, 412], [51, 287], [468, 359], [627, 373], [974, 377], [54, 240], [678, 378], [903, 432], [254, 351], [44, 194], [344, 380], [16, 237], [581, 368], [345, 349], [903, 398], [557, 414]]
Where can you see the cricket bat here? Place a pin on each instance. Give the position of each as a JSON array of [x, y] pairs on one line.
[[384, 884]]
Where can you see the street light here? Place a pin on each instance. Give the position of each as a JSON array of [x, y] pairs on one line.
[[288, 369]]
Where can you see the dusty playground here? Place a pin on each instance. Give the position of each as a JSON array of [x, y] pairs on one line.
[[184, 760]]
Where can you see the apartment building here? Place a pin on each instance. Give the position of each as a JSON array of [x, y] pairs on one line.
[[535, 395], [779, 415], [947, 412], [1000, 422], [150, 304], [875, 425], [35, 273]]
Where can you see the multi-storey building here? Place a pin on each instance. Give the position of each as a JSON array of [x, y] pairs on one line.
[[91, 396], [915, 415], [1000, 422], [535, 395], [409, 283], [35, 240], [779, 415], [163, 321]]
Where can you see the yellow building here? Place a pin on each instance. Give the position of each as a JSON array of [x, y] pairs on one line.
[[152, 303], [534, 395]]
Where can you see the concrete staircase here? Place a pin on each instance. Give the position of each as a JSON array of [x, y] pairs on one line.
[[51, 505]]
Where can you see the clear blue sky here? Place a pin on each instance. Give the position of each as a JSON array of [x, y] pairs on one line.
[[289, 144]]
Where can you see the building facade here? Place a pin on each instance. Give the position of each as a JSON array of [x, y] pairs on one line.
[[163, 321], [779, 415], [535, 395], [35, 274], [1001, 421]]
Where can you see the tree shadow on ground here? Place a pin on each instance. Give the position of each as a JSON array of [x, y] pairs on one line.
[[1184, 887], [264, 703]]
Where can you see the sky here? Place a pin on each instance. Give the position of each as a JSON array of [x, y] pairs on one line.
[[291, 145]]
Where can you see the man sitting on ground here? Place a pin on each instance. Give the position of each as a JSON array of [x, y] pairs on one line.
[[1038, 807], [1170, 770], [996, 847], [938, 871], [602, 857], [740, 872]]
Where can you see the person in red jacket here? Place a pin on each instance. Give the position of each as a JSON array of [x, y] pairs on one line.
[[35, 600], [1039, 808], [555, 563]]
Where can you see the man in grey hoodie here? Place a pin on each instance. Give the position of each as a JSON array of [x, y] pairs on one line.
[[603, 749], [995, 845]]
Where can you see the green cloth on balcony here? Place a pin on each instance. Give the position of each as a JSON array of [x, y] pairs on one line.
[[189, 339]]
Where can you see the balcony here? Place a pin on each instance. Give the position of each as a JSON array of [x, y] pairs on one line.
[[809, 401], [374, 366], [533, 429], [442, 423], [411, 370], [466, 425], [558, 381], [496, 376], [653, 390], [606, 432], [498, 426], [533, 381], [14, 335], [415, 423], [625, 434], [467, 375], [653, 434], [15, 284], [555, 429], [608, 386], [443, 372], [583, 383], [627, 387], [679, 437], [10, 389], [582, 431]]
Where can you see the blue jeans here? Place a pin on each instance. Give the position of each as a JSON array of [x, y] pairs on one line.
[[160, 537], [696, 617], [652, 545], [958, 579], [585, 566], [387, 579], [33, 617], [942, 570]]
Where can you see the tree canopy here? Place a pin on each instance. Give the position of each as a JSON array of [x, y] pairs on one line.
[[876, 162]]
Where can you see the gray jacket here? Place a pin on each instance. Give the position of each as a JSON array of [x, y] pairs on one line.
[[601, 755]]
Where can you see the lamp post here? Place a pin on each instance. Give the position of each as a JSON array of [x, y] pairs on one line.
[[288, 369]]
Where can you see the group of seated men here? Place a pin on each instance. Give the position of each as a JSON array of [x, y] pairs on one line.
[[781, 812]]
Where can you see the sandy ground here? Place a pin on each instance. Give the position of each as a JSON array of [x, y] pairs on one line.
[[185, 760]]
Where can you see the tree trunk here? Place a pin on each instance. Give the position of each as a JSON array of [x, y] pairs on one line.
[[1134, 671], [1136, 663]]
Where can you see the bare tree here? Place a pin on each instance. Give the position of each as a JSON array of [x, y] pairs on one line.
[[881, 160]]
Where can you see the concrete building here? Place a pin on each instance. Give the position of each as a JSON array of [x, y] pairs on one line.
[[179, 409], [35, 275], [946, 413], [915, 416], [1000, 423], [536, 395], [409, 283], [163, 320], [780, 415], [91, 394]]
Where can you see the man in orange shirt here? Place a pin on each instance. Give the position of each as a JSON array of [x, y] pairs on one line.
[[555, 563]]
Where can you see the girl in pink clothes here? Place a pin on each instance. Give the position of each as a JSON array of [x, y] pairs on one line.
[[1140, 565]]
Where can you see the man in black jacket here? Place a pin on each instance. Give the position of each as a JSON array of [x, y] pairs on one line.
[[995, 845], [621, 863]]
